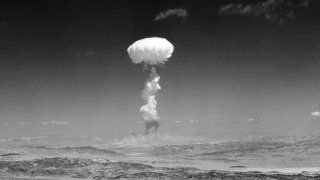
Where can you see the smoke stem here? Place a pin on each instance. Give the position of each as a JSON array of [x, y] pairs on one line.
[[149, 111]]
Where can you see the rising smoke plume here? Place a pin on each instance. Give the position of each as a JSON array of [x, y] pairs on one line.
[[149, 110], [152, 52]]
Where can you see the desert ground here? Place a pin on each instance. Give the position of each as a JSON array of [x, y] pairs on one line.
[[162, 157]]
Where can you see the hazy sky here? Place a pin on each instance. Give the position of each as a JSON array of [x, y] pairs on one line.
[[237, 68]]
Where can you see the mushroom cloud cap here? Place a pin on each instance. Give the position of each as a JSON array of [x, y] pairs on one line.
[[151, 51]]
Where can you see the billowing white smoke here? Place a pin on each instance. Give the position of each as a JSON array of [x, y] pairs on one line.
[[149, 110], [150, 51]]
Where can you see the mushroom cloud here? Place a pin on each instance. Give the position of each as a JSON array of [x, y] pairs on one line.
[[151, 52]]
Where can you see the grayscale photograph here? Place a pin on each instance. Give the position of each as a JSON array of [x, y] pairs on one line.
[[152, 90]]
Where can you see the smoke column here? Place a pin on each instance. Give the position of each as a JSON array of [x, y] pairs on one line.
[[152, 52], [149, 110]]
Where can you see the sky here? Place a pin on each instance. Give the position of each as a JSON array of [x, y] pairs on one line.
[[238, 67]]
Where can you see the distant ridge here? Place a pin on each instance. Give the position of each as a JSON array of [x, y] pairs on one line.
[[88, 149], [77, 149]]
